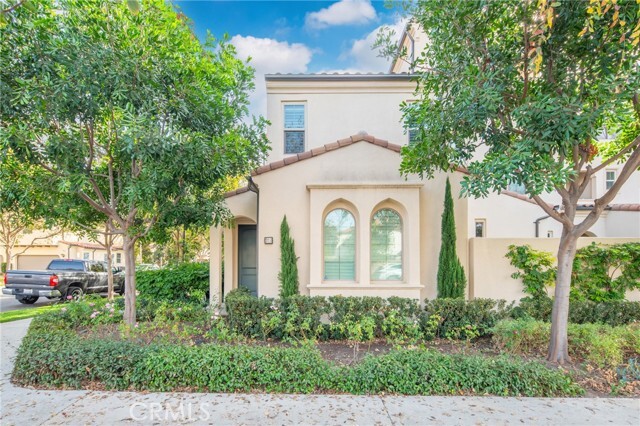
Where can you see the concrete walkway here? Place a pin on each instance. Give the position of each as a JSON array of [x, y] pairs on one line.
[[22, 406]]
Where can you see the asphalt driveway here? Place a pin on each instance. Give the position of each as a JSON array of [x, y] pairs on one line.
[[9, 303]]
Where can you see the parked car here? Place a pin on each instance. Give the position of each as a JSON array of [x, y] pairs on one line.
[[62, 278]]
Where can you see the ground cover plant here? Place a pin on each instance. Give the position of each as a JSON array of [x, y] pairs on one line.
[[312, 344], [52, 357]]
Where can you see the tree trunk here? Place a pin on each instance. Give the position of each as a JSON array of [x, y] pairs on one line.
[[558, 344], [7, 256], [108, 240], [129, 280]]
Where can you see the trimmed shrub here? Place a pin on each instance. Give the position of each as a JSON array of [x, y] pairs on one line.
[[459, 317], [302, 317], [246, 313], [347, 310], [598, 344], [185, 281], [611, 312]]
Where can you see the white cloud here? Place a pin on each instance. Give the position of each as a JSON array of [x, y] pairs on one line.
[[362, 55], [344, 12], [269, 56]]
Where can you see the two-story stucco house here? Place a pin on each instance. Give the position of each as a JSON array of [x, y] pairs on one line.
[[360, 228]]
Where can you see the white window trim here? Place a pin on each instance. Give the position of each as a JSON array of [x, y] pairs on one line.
[[484, 227], [303, 129], [606, 180]]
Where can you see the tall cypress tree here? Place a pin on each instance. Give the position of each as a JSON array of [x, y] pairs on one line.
[[451, 278], [288, 275]]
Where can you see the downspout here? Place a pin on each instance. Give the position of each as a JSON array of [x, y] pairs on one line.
[[540, 219], [537, 223], [254, 188]]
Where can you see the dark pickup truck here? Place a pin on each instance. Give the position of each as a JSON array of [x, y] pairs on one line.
[[62, 278]]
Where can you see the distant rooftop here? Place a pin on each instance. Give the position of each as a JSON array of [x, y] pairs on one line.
[[340, 76]]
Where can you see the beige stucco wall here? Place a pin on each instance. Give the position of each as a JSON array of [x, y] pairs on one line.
[[305, 191], [339, 109], [490, 270]]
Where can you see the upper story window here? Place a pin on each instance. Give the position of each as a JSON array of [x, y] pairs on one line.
[[413, 132], [294, 128], [386, 246], [339, 246], [481, 228], [610, 179]]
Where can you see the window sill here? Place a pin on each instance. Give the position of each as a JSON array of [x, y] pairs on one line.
[[374, 285]]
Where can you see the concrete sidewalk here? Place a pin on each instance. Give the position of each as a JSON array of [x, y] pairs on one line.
[[33, 407]]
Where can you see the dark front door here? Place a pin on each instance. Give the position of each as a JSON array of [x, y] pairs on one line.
[[247, 258]]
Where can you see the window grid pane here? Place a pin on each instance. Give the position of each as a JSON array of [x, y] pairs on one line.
[[339, 246], [293, 142], [386, 246], [294, 116], [610, 179]]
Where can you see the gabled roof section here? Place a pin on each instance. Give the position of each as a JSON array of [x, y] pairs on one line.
[[324, 149]]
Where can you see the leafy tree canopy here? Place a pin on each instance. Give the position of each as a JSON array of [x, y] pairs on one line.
[[530, 94], [121, 103]]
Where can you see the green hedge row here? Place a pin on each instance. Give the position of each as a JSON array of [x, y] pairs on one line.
[[185, 281], [55, 359], [361, 318], [612, 312]]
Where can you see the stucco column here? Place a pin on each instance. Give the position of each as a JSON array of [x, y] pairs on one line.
[[215, 265], [229, 266]]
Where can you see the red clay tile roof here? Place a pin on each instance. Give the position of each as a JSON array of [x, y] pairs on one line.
[[91, 246], [625, 207]]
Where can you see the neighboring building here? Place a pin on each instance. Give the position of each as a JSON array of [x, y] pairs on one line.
[[360, 228], [36, 249]]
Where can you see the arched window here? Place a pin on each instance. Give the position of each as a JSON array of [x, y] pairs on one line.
[[386, 246], [339, 246]]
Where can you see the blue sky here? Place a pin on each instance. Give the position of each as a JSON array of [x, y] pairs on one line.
[[296, 36]]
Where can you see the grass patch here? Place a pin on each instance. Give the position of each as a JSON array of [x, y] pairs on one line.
[[25, 313]]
